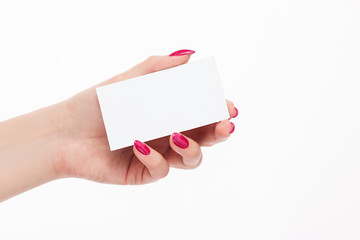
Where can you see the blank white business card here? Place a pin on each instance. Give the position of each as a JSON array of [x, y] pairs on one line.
[[157, 104]]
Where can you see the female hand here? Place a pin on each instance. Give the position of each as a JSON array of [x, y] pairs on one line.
[[68, 139], [85, 151]]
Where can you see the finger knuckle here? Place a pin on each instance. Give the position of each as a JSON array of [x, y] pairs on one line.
[[156, 164], [164, 173], [196, 161], [160, 169], [151, 59], [153, 62]]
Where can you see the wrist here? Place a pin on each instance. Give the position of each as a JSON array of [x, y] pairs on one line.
[[59, 132], [30, 150]]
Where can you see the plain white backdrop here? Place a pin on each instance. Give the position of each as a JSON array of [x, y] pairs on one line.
[[290, 170]]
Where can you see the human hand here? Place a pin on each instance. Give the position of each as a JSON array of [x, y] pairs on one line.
[[85, 153]]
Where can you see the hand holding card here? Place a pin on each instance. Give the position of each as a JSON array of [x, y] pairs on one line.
[[149, 108]]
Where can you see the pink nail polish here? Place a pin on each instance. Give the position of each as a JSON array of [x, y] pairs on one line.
[[141, 147], [237, 112], [180, 140], [232, 128], [182, 52]]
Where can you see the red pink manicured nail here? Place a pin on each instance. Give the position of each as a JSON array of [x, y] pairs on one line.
[[237, 112], [141, 147], [232, 128], [180, 140], [182, 52]]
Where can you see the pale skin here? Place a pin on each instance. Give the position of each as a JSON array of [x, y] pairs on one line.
[[68, 139]]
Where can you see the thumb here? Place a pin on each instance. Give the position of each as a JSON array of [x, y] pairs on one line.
[[153, 64]]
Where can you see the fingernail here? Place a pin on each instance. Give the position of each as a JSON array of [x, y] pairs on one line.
[[232, 128], [237, 112], [180, 140], [182, 52], [141, 147]]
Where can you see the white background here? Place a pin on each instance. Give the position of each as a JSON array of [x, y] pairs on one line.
[[290, 170]]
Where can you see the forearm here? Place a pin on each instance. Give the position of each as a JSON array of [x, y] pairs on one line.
[[29, 150]]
